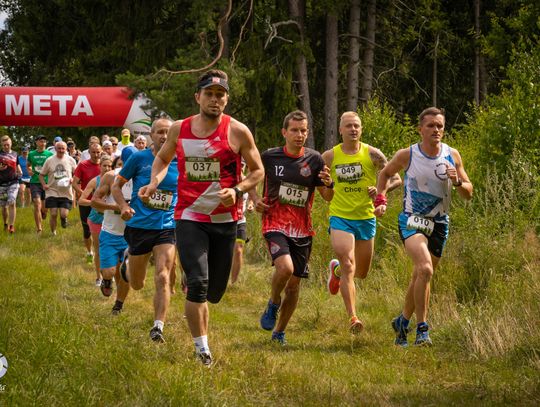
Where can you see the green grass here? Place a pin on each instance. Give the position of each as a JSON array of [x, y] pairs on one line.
[[65, 349]]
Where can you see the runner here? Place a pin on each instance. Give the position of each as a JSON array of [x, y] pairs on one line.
[[112, 244], [59, 169], [95, 218], [432, 168], [140, 142], [85, 155], [354, 166], [10, 171], [24, 180], [149, 224], [292, 173], [85, 171], [36, 159], [209, 147]]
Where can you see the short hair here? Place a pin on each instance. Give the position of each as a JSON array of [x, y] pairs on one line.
[[5, 138], [94, 146], [93, 140], [106, 157], [154, 123], [349, 114], [297, 115], [430, 111]]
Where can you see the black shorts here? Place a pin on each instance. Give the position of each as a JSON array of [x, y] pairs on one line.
[[84, 211], [299, 248], [37, 191], [142, 241], [206, 252], [241, 233], [54, 202]]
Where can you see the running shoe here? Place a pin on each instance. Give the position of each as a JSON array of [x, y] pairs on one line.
[[117, 308], [156, 335], [11, 229], [355, 326], [279, 337], [106, 287], [205, 358], [89, 258], [123, 267], [333, 279], [63, 222], [422, 335], [401, 332], [269, 316], [53, 232], [98, 282]]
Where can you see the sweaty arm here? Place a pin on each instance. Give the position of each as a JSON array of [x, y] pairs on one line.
[[76, 183], [396, 164], [104, 189], [327, 191], [83, 200], [379, 161], [459, 177], [126, 211]]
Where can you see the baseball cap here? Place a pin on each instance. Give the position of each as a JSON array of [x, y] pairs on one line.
[[25, 148], [213, 80], [107, 143], [57, 139], [40, 137], [126, 153]]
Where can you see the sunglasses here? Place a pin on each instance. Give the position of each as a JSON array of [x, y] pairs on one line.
[[114, 144]]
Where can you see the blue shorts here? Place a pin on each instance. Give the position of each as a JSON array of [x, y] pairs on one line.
[[436, 241], [111, 249], [361, 229]]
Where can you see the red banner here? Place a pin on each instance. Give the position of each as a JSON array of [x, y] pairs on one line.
[[64, 107]]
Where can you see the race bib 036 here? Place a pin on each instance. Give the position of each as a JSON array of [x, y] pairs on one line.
[[161, 200]]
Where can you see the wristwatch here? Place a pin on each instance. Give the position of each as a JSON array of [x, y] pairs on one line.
[[238, 191], [459, 183]]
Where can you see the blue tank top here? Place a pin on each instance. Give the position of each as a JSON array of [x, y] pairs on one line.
[[95, 216]]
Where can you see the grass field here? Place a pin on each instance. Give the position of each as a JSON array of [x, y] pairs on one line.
[[65, 349]]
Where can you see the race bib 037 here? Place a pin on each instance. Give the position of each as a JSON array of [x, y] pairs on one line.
[[201, 169]]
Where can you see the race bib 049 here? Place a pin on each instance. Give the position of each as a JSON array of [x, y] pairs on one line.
[[161, 200], [201, 169], [291, 194], [421, 224], [349, 172]]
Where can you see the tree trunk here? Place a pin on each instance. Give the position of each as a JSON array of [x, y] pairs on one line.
[[297, 11], [331, 81], [369, 52], [225, 32], [477, 52], [354, 56], [435, 72]]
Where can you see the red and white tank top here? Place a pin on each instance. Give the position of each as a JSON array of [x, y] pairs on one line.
[[205, 166]]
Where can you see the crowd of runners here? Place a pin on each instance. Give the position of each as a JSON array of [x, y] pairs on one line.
[[182, 193]]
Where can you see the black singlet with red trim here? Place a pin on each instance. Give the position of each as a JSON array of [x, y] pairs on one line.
[[289, 186]]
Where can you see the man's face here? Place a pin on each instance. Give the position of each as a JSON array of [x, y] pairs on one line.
[[432, 128], [159, 134], [6, 146], [95, 153], [296, 133], [212, 100], [41, 144], [60, 149], [140, 144], [107, 149], [350, 128]]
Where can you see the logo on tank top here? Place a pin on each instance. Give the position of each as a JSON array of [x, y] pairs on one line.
[[440, 171], [305, 171]]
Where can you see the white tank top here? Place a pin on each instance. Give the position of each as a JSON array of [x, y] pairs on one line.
[[112, 222], [427, 187]]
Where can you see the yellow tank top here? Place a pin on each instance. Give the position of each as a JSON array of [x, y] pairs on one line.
[[352, 175]]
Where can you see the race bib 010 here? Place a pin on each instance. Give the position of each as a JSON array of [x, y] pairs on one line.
[[291, 194], [201, 169], [161, 200], [348, 172], [421, 224]]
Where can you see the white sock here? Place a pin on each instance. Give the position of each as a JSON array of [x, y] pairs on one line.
[[159, 324], [89, 254], [201, 344]]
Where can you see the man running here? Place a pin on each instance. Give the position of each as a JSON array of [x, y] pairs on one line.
[[432, 168], [59, 170], [36, 159], [24, 180], [10, 171], [292, 173], [85, 171], [354, 166], [209, 147], [149, 224]]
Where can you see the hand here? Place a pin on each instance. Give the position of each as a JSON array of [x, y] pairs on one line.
[[372, 192], [451, 172], [260, 206], [227, 196], [146, 192], [380, 205], [250, 207], [380, 210], [324, 175], [127, 212]]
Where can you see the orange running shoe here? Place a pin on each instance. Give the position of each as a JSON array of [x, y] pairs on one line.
[[356, 326], [333, 279]]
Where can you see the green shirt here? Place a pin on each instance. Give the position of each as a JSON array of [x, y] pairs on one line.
[[36, 159]]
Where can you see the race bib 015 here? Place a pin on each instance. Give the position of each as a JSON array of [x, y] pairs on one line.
[[291, 194]]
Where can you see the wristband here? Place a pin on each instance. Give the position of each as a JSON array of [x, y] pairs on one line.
[[331, 186], [459, 183], [380, 199]]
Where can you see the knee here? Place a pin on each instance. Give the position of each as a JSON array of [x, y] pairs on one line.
[[347, 265], [285, 270], [292, 290], [424, 271], [162, 278], [197, 290]]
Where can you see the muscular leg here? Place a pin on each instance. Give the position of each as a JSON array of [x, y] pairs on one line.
[[52, 219], [238, 260], [280, 278], [95, 243], [136, 270], [289, 303], [37, 213], [164, 256], [344, 246]]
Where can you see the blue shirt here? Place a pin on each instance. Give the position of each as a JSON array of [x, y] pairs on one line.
[[138, 168], [22, 163]]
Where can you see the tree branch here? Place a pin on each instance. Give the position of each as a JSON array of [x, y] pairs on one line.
[[233, 54], [274, 31]]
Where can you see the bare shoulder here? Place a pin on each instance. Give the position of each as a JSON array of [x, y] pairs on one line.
[[328, 157], [377, 157], [239, 128], [174, 130]]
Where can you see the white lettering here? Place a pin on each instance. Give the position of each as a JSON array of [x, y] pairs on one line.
[[42, 102], [82, 105], [14, 108], [62, 101]]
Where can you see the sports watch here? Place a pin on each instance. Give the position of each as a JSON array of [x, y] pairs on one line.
[[238, 191]]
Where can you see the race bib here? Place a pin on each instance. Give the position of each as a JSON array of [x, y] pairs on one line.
[[420, 223], [201, 169], [37, 169], [291, 194], [349, 172], [161, 200]]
